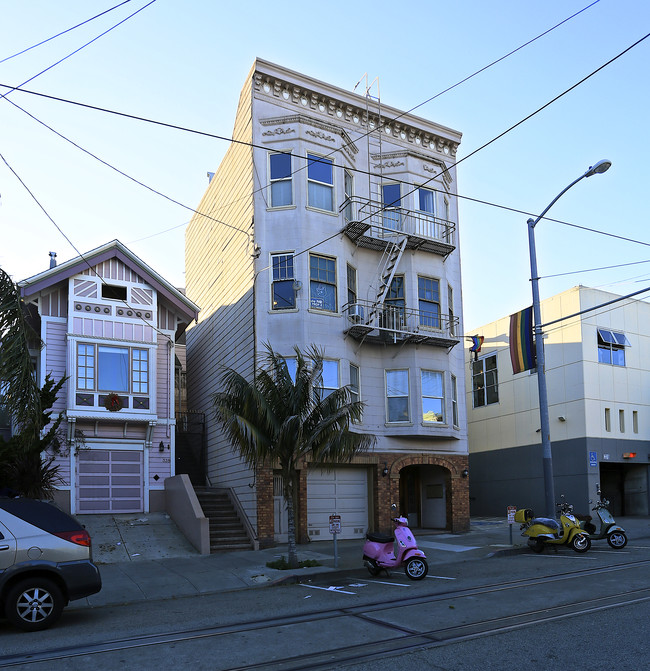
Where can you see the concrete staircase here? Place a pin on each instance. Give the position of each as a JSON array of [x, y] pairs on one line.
[[227, 532]]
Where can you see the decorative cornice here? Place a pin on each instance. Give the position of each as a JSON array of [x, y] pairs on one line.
[[331, 129], [431, 165], [322, 103]]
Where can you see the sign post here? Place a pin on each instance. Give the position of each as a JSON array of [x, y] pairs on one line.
[[335, 530], [511, 519]]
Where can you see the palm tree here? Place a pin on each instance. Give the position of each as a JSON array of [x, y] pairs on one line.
[[280, 418], [20, 393]]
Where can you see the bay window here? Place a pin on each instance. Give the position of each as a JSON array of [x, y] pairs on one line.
[[280, 180], [397, 396], [433, 396]]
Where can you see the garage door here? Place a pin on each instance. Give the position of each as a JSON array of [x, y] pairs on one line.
[[110, 481], [342, 491]]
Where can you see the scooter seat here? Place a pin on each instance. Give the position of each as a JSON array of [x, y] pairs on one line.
[[547, 522], [380, 538]]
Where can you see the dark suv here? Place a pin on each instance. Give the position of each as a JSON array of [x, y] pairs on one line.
[[45, 562]]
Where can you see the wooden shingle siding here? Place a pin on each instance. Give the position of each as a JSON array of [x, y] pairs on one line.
[[220, 275]]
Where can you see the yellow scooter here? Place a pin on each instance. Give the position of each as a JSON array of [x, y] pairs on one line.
[[543, 531]]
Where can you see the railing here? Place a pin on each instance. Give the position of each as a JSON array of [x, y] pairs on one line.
[[388, 221], [364, 317]]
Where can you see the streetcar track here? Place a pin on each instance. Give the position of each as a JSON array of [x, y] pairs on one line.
[[361, 612]]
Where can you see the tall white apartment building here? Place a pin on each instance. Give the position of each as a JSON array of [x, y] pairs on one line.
[[332, 221]]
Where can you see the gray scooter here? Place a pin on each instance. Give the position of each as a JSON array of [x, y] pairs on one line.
[[608, 528]]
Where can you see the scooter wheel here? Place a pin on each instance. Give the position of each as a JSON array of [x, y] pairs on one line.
[[617, 540], [581, 543], [416, 568], [537, 546], [372, 567]]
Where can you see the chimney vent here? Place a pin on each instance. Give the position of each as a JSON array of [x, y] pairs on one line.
[[52, 259]]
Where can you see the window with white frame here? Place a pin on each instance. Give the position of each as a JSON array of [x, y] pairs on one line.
[[391, 201], [611, 347], [320, 182], [427, 201], [355, 390], [328, 380], [485, 383], [397, 396], [109, 368], [348, 188], [450, 308], [454, 401], [322, 282], [280, 179], [351, 274], [433, 396], [283, 296], [429, 302]]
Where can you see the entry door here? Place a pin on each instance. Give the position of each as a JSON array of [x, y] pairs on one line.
[[110, 481]]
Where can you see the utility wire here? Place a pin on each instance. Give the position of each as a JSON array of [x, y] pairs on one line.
[[231, 140], [20, 53], [83, 46], [83, 258], [591, 270]]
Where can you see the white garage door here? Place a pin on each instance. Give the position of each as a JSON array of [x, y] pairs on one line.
[[341, 491], [109, 481]]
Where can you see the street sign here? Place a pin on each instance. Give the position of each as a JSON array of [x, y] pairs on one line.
[[511, 514], [335, 524]]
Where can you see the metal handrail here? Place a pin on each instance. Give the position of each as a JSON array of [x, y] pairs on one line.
[[400, 319], [386, 221]]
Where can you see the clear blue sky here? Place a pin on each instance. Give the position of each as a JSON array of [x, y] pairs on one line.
[[185, 62]]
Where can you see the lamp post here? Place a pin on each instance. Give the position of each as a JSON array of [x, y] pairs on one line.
[[549, 489]]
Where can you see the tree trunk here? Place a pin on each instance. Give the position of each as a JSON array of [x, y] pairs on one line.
[[291, 521]]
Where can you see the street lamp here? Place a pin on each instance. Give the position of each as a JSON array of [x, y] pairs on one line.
[[549, 489]]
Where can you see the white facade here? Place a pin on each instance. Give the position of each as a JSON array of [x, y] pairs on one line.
[[599, 408], [336, 227]]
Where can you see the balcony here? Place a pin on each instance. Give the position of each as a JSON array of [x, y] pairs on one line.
[[369, 225], [386, 324]]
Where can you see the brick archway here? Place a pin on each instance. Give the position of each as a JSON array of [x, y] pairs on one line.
[[457, 503]]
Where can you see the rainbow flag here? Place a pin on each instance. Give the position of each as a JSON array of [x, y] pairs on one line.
[[522, 353]]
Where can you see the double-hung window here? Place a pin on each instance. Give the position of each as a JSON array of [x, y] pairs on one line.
[[485, 383], [433, 396], [450, 309], [394, 304], [397, 396], [320, 182], [427, 205], [454, 401], [280, 179], [355, 377], [283, 297], [322, 282], [352, 284], [348, 188], [391, 206], [328, 380], [611, 347], [429, 302]]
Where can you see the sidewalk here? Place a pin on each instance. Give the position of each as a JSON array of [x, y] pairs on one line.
[[145, 557]]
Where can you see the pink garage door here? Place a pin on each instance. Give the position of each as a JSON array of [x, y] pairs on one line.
[[109, 481]]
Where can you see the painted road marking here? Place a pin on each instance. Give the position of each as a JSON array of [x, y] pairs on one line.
[[440, 577], [338, 590], [559, 556], [394, 584]]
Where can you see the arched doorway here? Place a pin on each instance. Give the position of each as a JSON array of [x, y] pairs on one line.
[[423, 493]]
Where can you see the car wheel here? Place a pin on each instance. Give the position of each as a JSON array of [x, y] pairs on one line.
[[617, 539], [34, 604], [416, 568]]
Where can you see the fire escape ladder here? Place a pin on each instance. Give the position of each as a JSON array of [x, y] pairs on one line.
[[388, 264]]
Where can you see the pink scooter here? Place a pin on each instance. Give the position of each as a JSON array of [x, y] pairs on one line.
[[383, 552]]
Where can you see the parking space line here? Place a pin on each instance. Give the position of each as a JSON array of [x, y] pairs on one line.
[[338, 590], [440, 577], [394, 584]]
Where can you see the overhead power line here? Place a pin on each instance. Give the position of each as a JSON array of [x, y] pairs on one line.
[[63, 32]]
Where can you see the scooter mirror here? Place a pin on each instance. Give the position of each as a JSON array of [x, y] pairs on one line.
[[393, 506]]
